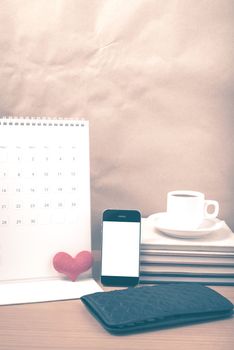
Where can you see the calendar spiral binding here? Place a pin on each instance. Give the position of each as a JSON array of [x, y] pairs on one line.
[[41, 121]]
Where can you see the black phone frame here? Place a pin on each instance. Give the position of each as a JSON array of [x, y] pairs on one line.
[[121, 215]]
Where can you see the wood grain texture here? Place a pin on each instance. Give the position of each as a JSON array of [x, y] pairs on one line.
[[68, 325]]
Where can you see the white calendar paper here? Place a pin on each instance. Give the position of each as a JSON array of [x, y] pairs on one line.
[[44, 194]]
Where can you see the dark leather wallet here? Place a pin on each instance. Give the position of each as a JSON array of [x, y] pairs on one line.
[[142, 308]]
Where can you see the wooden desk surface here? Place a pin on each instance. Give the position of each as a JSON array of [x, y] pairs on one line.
[[68, 325]]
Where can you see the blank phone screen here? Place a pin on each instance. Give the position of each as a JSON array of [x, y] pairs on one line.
[[120, 248]]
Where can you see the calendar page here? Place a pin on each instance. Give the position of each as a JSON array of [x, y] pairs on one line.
[[44, 194]]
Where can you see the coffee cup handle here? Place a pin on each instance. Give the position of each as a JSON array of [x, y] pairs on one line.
[[215, 204]]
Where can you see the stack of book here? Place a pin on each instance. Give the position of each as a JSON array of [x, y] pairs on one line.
[[206, 260]]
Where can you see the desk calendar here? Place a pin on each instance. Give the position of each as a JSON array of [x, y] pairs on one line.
[[44, 194]]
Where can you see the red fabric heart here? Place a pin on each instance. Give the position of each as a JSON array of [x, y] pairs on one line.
[[72, 267]]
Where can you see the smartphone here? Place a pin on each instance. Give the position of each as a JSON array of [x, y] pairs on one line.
[[121, 233]]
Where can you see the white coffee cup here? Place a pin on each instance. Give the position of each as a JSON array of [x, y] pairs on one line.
[[188, 209]]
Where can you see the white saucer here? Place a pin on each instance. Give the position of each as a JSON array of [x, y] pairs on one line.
[[160, 222]]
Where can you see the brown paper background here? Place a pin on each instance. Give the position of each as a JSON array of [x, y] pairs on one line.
[[155, 80]]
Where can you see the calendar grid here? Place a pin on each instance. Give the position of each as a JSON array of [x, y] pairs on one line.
[[44, 190]]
